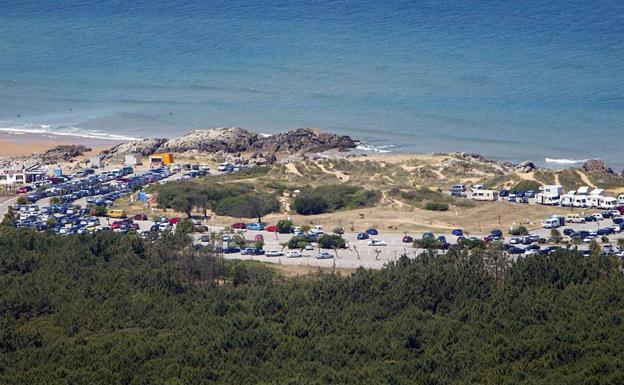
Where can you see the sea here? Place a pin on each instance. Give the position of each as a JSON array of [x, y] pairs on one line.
[[513, 80]]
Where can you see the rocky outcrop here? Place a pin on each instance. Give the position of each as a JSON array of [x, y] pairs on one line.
[[595, 166], [236, 140], [226, 140], [302, 140], [526, 166], [63, 153], [142, 147]]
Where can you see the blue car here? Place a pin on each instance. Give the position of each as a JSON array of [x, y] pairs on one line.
[[428, 235], [372, 232], [458, 232], [255, 226], [362, 236]]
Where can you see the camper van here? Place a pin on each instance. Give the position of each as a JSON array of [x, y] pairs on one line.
[[116, 213], [484, 195], [580, 201], [552, 190], [594, 201], [567, 200], [547, 200], [609, 203], [551, 223], [620, 199]]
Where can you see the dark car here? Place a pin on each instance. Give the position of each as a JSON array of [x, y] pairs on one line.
[[605, 231], [428, 235], [442, 239], [496, 233], [458, 232], [503, 193], [362, 236], [590, 218], [568, 232], [618, 220], [372, 232], [607, 214], [407, 239], [515, 250], [530, 194], [140, 217]]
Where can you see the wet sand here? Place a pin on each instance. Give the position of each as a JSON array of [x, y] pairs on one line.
[[26, 144]]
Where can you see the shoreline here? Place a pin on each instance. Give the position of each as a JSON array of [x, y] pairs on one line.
[[23, 144]]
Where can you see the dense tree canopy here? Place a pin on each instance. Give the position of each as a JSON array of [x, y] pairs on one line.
[[114, 309]]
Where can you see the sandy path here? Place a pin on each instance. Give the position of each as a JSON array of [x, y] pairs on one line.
[[585, 179], [291, 168]]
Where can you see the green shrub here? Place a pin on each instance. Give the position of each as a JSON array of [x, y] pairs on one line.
[[334, 197], [436, 206], [519, 230], [284, 226]]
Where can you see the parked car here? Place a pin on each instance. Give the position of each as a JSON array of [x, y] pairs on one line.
[[294, 254], [174, 221], [590, 218], [407, 239], [458, 232], [324, 255], [140, 217], [271, 229], [362, 236], [530, 194], [496, 234], [255, 226], [259, 237], [239, 226], [568, 231], [428, 235], [273, 253], [376, 242], [372, 231]]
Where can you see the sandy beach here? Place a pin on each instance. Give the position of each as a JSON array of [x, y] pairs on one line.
[[12, 144]]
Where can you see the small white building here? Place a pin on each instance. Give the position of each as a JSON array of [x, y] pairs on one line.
[[23, 175], [132, 159]]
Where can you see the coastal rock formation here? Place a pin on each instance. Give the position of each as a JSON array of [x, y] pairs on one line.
[[526, 166], [304, 140], [212, 140], [142, 147], [236, 140], [595, 166], [63, 153]]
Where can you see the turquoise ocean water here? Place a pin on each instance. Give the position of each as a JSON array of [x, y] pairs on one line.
[[512, 80]]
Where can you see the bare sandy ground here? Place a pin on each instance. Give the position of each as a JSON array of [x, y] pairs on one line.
[[12, 144]]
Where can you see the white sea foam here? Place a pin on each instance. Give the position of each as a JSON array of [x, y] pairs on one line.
[[43, 129], [565, 161], [379, 149]]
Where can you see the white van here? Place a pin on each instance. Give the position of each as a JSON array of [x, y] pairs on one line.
[[620, 199], [551, 223], [567, 200], [318, 229], [575, 218]]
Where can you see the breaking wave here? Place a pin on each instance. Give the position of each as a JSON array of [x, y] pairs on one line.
[[43, 129], [565, 161]]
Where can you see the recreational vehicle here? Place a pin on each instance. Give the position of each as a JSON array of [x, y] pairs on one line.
[[580, 201], [484, 195], [609, 203], [546, 199], [567, 200]]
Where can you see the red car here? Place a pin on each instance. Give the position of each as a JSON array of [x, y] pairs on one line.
[[117, 224], [23, 190], [140, 217], [174, 221], [239, 225], [259, 237], [271, 229]]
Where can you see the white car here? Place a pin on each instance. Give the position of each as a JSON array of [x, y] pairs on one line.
[[324, 255], [294, 254], [598, 217], [309, 247], [273, 253], [376, 242], [165, 226]]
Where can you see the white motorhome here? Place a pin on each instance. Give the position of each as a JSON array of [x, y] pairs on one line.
[[609, 203], [620, 199], [583, 190], [567, 200], [484, 195], [552, 190], [580, 201], [594, 201], [546, 199]]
